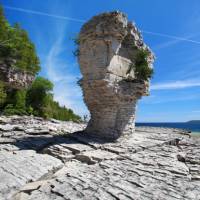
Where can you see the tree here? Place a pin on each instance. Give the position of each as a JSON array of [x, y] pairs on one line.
[[3, 94], [16, 45], [20, 99], [38, 94]]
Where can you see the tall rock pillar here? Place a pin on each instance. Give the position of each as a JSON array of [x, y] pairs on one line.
[[111, 56]]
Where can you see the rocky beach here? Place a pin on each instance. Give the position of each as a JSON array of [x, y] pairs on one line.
[[50, 159]]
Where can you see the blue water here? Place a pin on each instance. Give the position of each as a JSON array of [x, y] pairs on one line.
[[194, 128]]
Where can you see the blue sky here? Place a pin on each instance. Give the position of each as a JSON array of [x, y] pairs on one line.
[[171, 28]]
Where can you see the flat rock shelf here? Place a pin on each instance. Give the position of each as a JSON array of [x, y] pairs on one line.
[[53, 160]]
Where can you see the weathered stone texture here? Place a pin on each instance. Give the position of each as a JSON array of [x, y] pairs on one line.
[[14, 78], [57, 164], [108, 42]]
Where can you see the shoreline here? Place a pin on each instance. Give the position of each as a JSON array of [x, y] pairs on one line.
[[195, 133]]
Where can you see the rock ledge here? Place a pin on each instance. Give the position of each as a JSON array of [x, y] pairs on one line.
[[53, 160]]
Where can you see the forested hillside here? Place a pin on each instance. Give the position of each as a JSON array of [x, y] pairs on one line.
[[37, 98]]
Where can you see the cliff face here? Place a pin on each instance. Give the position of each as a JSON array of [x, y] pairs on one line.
[[108, 46], [14, 78]]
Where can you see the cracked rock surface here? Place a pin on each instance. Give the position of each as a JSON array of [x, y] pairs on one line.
[[53, 160]]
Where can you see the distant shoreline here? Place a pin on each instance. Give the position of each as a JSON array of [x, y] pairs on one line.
[[195, 133], [194, 128]]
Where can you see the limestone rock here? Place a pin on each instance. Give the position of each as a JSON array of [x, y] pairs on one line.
[[147, 165], [14, 78], [108, 46]]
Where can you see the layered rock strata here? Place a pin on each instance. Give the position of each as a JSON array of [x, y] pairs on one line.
[[108, 46], [14, 78], [49, 160]]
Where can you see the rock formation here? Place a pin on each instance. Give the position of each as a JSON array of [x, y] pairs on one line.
[[108, 46], [44, 159], [13, 77]]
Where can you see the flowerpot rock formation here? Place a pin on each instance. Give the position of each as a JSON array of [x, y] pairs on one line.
[[108, 47]]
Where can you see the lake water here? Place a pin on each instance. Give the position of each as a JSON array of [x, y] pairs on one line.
[[194, 128]]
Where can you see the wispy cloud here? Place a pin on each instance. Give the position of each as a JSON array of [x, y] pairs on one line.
[[171, 37], [176, 85], [172, 42], [196, 111], [44, 14], [82, 21], [66, 90], [167, 99]]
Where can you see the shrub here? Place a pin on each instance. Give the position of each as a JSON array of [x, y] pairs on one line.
[[11, 110], [3, 94], [141, 66], [37, 94], [76, 40]]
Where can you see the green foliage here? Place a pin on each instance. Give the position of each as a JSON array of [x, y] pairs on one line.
[[38, 94], [76, 40], [54, 110], [15, 44], [3, 94], [15, 102], [30, 110], [141, 66], [20, 99], [10, 109], [38, 98]]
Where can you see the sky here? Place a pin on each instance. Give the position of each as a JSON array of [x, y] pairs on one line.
[[171, 28]]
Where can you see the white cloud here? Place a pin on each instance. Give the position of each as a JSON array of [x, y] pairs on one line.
[[43, 13], [176, 85], [172, 37], [59, 71], [173, 41], [186, 39], [196, 111]]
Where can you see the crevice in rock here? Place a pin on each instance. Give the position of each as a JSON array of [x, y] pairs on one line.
[[50, 174], [58, 194], [31, 186]]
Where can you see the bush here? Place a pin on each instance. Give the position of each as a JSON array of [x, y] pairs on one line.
[[3, 94], [11, 110], [76, 40], [20, 99], [141, 66], [38, 94]]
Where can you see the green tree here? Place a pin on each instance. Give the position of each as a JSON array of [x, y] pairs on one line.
[[16, 45], [3, 94], [38, 94], [20, 99]]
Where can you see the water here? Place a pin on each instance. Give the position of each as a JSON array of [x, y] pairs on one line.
[[194, 128]]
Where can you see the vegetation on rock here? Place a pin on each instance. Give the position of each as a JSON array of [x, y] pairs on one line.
[[140, 65], [16, 45], [76, 40], [38, 98], [3, 94]]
